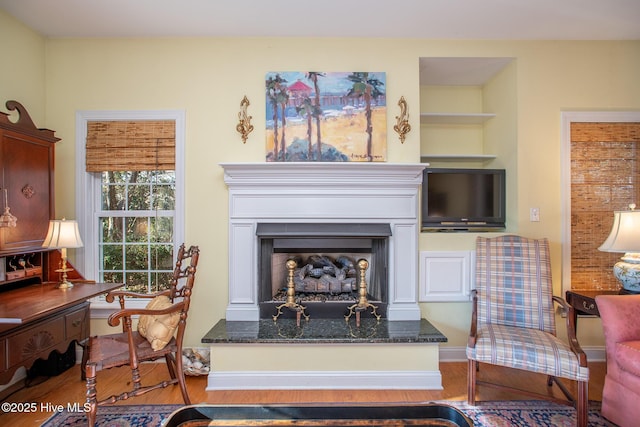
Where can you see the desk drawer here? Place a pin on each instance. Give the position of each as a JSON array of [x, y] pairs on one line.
[[35, 342], [76, 324]]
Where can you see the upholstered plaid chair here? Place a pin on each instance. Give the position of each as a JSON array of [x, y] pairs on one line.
[[513, 320]]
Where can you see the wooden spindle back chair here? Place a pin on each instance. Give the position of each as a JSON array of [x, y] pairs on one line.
[[160, 334]]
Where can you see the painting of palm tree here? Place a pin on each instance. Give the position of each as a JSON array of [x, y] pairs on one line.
[[326, 116]]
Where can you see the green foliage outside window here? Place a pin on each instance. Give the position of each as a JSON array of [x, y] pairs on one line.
[[136, 229]]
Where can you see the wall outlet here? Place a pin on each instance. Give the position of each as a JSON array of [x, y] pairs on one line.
[[534, 214]]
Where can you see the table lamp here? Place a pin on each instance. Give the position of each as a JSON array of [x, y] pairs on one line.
[[625, 237], [63, 234]]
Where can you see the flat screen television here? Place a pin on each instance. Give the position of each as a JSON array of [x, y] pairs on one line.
[[463, 199]]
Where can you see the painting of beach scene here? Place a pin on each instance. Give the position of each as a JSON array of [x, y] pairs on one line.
[[326, 117]]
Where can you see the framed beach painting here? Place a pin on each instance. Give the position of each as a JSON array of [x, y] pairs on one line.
[[326, 117]]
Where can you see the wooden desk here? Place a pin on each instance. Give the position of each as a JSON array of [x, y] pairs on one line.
[[38, 319]]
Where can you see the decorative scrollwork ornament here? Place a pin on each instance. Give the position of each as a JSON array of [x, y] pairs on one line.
[[244, 126], [402, 125]]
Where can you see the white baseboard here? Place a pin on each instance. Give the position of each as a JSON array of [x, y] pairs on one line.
[[327, 380], [458, 354]]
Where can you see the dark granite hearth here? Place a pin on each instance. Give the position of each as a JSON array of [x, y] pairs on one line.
[[323, 331]]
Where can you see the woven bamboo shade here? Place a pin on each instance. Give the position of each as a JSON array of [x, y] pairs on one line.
[[605, 176], [130, 145]]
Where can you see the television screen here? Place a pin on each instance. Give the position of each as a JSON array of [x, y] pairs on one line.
[[463, 199]]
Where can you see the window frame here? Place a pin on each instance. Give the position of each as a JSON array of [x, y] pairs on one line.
[[88, 193], [566, 118]]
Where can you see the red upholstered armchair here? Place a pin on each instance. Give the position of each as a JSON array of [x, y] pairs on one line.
[[621, 394]]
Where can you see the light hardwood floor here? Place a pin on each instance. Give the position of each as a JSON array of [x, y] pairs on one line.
[[67, 388]]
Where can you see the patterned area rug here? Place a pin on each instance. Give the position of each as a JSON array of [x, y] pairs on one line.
[[525, 413]]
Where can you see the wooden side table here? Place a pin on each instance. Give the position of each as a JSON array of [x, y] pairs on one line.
[[584, 302]]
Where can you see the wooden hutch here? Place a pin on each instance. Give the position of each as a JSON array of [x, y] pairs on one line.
[[37, 320]]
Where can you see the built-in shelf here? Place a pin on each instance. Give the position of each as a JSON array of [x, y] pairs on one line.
[[456, 158], [455, 118]]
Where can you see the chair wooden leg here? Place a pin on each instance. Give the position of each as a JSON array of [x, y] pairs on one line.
[[85, 357], [471, 382], [92, 401], [181, 380], [582, 404], [135, 377], [171, 362]]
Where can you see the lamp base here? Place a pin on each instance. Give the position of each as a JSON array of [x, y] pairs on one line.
[[65, 285], [627, 272]]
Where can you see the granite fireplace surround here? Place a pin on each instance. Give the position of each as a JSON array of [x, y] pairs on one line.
[[250, 351]]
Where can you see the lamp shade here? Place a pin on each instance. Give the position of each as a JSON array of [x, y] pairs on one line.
[[625, 233], [62, 233]]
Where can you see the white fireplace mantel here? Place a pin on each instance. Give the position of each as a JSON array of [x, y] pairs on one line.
[[323, 193]]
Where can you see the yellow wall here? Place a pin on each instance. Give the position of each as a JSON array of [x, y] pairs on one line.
[[22, 73], [208, 77]]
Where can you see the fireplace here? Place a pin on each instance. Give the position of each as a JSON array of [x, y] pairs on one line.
[[279, 211], [327, 265]]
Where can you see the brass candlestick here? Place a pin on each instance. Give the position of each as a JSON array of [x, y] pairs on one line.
[[291, 303], [363, 303]]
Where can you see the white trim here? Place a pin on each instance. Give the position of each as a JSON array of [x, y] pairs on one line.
[[568, 117], [86, 188], [324, 380]]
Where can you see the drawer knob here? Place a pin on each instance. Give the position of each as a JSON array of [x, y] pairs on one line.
[[586, 306], [76, 323]]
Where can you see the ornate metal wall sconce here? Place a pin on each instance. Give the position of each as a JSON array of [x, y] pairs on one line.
[[244, 126], [402, 125]]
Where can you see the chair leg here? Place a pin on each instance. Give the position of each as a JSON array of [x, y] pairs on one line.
[[181, 380], [582, 404], [135, 377], [471, 382], [170, 361], [92, 401], [85, 357]]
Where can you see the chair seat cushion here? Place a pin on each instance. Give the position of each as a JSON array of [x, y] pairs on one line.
[[158, 329], [628, 356], [107, 351], [529, 349]]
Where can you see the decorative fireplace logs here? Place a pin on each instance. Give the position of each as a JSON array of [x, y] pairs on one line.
[[320, 275]]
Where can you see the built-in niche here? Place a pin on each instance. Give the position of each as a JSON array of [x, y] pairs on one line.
[[468, 116]]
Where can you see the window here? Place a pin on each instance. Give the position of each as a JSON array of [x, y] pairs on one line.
[[135, 222], [600, 175], [129, 198]]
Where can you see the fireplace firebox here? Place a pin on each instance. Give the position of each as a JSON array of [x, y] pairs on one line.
[[330, 262]]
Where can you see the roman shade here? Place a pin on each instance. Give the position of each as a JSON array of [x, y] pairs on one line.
[[130, 145]]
